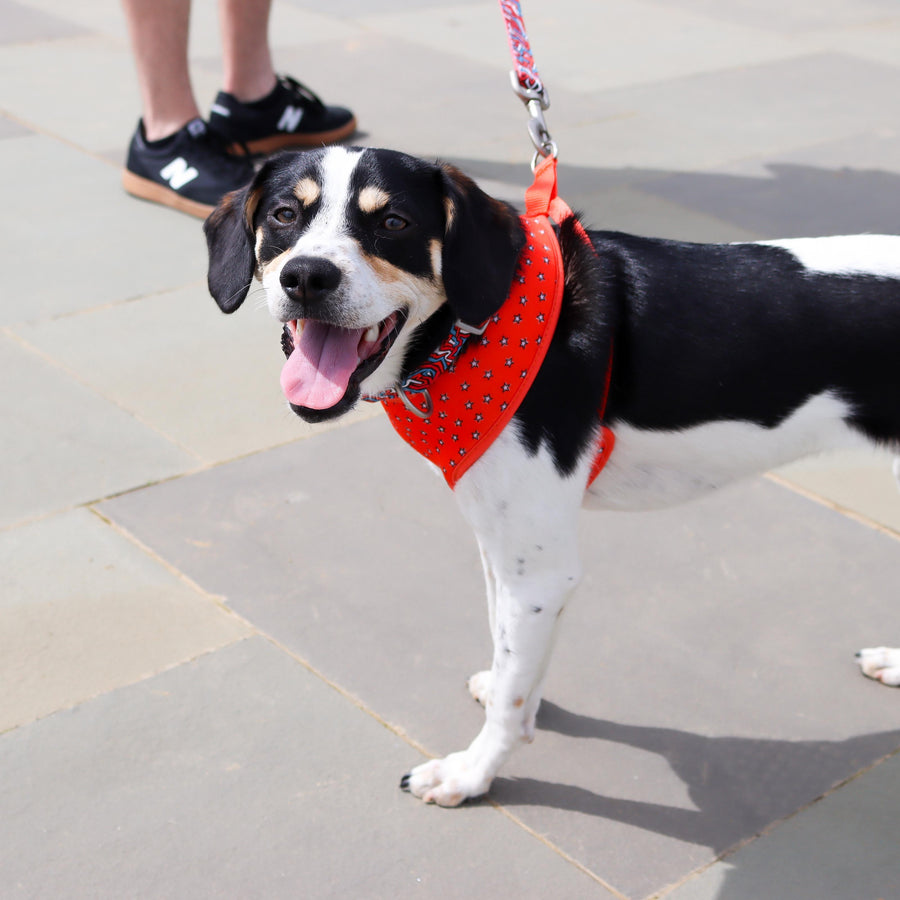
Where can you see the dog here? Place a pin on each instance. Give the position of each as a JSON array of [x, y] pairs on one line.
[[714, 362]]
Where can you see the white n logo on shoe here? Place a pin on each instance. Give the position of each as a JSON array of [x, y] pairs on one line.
[[290, 118], [178, 173]]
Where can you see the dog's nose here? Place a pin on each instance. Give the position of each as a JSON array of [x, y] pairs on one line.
[[307, 279]]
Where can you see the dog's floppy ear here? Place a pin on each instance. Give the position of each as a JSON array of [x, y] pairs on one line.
[[229, 239], [482, 241]]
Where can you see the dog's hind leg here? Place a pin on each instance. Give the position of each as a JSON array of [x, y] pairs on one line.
[[525, 515], [479, 684]]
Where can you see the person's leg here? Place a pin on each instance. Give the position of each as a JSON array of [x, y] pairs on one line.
[[159, 39], [257, 108], [173, 158], [249, 74]]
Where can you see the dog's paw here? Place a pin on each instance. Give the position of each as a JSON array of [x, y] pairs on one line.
[[480, 686], [881, 663], [448, 781]]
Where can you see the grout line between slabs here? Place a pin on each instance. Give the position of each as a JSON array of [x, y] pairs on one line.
[[169, 667], [203, 465], [725, 855], [50, 360], [52, 135], [355, 701], [853, 514]]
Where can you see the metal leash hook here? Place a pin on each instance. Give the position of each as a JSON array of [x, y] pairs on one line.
[[536, 101]]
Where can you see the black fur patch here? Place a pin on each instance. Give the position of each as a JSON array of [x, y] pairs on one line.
[[699, 332]]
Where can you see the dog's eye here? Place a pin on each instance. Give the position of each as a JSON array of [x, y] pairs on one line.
[[284, 215], [393, 223]]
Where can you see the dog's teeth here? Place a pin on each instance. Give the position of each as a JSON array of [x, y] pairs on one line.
[[371, 335]]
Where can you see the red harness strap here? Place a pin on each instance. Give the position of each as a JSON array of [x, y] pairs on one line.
[[542, 198], [475, 398]]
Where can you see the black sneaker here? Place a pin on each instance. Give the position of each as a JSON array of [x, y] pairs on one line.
[[190, 171], [291, 116]]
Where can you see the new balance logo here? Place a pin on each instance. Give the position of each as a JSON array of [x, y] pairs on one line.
[[290, 118], [178, 173]]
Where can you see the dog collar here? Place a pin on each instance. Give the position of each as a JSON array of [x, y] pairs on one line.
[[452, 407]]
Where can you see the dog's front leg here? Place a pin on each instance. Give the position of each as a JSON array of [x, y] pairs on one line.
[[525, 516]]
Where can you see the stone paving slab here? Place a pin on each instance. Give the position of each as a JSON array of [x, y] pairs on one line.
[[103, 252], [11, 128], [53, 84], [203, 379], [792, 198], [700, 121], [102, 615], [694, 695], [816, 19], [444, 103], [243, 775], [861, 482], [607, 32], [23, 23], [843, 846], [63, 445]]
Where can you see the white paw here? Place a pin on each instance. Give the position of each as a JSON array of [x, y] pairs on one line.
[[480, 686], [447, 781], [881, 663]]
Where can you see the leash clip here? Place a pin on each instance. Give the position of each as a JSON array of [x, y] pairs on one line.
[[536, 100]]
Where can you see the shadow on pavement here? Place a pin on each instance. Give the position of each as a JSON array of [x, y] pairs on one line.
[[738, 785], [793, 201]]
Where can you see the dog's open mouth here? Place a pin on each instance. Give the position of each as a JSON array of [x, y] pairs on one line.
[[323, 360]]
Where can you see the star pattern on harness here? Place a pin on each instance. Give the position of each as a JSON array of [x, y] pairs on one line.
[[511, 345]]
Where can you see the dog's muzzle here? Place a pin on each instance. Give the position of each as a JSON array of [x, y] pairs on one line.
[[325, 361]]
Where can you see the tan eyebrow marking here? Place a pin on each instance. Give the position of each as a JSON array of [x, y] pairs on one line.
[[307, 191], [372, 199]]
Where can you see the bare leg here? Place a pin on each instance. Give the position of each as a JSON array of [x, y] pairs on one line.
[[159, 39], [249, 74]]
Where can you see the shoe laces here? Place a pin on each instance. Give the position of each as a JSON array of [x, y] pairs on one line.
[[300, 92]]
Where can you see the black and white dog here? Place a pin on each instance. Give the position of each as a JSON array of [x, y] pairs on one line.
[[728, 360]]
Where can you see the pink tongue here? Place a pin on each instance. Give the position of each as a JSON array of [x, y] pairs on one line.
[[317, 373]]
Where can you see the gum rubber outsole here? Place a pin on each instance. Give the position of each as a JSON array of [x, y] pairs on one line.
[[282, 141], [146, 189]]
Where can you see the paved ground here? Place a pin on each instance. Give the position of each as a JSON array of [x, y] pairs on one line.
[[224, 635]]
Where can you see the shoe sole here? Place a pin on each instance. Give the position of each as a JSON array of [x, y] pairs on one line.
[[280, 141], [146, 189]]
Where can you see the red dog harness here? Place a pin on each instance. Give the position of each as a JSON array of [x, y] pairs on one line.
[[450, 409]]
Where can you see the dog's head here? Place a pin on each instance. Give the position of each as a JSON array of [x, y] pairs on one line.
[[363, 254]]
